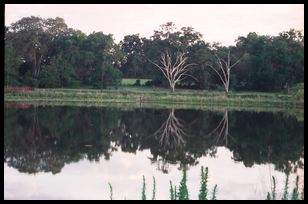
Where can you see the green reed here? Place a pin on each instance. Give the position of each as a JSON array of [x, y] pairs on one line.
[[295, 192], [143, 195]]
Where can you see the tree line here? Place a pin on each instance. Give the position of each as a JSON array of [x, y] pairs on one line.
[[47, 53]]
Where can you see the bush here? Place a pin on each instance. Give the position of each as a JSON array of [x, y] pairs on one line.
[[137, 83], [148, 83], [298, 91], [154, 82], [105, 76], [299, 95], [75, 83]]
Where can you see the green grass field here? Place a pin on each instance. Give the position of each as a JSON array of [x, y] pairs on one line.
[[159, 96], [130, 82]]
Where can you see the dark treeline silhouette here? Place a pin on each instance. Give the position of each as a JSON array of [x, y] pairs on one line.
[[47, 53], [44, 139]]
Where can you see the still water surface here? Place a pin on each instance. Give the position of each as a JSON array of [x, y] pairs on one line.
[[74, 152]]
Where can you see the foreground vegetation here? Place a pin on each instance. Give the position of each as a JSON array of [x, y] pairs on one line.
[[204, 193], [295, 195], [142, 96], [182, 193]]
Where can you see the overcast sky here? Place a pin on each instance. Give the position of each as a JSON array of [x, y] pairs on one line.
[[217, 23]]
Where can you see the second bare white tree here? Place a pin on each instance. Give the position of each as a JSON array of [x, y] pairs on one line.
[[223, 69]]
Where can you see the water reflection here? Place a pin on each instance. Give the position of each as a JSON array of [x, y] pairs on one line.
[[171, 134], [44, 139]]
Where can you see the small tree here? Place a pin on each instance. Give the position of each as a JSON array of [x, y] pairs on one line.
[[173, 70]]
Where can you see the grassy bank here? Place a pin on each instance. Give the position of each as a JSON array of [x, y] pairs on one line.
[[143, 96]]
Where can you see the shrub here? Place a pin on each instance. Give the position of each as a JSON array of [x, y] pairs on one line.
[[137, 83]]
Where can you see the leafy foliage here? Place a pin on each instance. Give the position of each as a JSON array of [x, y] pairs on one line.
[[183, 191]]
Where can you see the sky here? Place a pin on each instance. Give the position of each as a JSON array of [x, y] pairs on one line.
[[222, 23]]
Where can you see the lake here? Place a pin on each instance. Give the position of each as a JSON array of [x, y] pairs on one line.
[[67, 152]]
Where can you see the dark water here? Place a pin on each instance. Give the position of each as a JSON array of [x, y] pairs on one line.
[[73, 152]]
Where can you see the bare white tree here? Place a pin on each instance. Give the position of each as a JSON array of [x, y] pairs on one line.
[[223, 69], [174, 70]]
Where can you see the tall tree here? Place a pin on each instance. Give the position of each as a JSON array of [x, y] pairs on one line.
[[132, 46], [271, 62], [33, 38], [12, 61], [200, 54]]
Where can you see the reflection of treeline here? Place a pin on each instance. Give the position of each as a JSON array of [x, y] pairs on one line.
[[268, 138], [45, 139]]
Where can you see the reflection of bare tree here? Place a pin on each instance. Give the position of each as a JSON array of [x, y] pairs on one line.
[[170, 137], [171, 133], [222, 130]]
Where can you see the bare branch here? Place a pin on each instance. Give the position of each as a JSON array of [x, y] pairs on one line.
[[222, 80], [221, 66], [236, 63]]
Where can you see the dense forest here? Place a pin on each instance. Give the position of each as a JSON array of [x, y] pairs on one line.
[[47, 53]]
